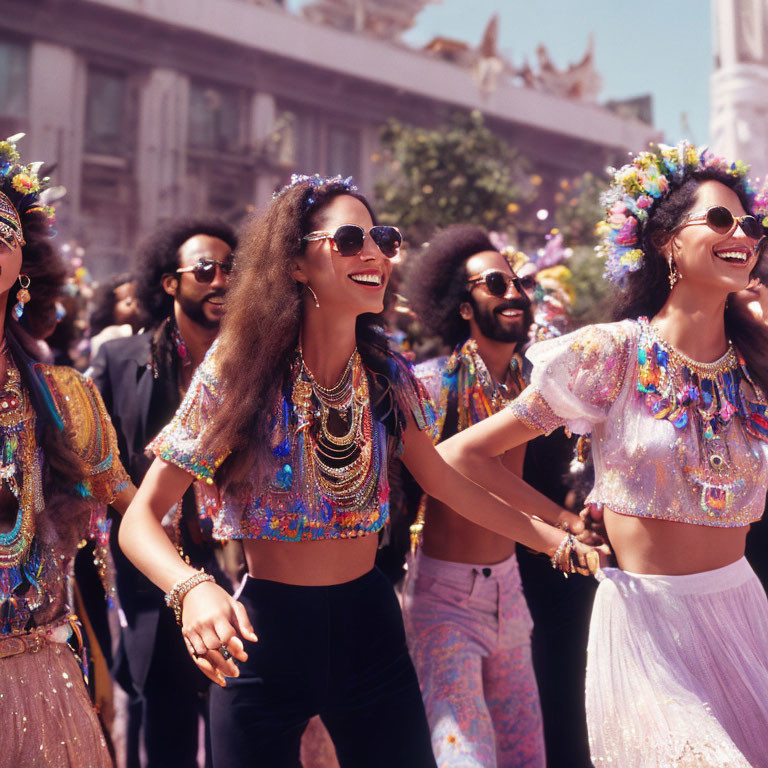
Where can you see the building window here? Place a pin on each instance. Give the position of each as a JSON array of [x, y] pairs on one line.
[[14, 84], [106, 116], [343, 151], [215, 118]]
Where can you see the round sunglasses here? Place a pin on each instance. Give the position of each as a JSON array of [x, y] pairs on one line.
[[205, 269], [720, 220], [497, 283], [349, 239]]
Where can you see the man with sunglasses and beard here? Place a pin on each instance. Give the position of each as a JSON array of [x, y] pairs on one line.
[[183, 270], [466, 617]]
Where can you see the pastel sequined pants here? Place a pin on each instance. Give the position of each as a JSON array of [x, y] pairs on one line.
[[468, 630]]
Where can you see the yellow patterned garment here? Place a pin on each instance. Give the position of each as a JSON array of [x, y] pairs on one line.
[[53, 521], [671, 440]]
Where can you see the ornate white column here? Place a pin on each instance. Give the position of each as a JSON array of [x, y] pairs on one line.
[[739, 85]]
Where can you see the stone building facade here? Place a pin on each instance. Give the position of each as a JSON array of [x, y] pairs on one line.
[[151, 109]]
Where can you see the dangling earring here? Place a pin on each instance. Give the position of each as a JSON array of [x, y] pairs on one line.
[[22, 296], [674, 275], [314, 295]]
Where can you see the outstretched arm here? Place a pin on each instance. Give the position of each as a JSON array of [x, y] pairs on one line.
[[478, 452], [497, 511], [210, 617]]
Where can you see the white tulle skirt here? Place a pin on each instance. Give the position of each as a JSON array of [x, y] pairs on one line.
[[677, 670]]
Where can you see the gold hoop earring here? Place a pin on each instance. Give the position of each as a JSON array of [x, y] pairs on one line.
[[314, 295], [22, 296]]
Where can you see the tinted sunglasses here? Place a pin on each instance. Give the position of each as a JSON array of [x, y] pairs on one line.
[[348, 239], [205, 269], [498, 282], [719, 219]]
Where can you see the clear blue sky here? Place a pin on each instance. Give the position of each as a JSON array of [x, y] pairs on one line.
[[661, 47]]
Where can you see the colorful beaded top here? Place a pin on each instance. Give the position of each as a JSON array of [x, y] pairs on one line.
[[36, 552], [672, 439], [329, 478]]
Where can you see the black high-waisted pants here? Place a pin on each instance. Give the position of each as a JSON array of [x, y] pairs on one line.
[[338, 652]]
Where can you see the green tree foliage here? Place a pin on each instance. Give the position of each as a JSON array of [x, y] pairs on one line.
[[578, 209], [456, 172], [594, 295]]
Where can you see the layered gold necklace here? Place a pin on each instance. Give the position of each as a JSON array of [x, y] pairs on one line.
[[344, 467]]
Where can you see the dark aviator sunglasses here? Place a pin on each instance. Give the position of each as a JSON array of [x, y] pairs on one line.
[[349, 239], [205, 269], [498, 283]]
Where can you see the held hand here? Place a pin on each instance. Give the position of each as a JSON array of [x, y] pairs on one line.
[[594, 522], [214, 625], [570, 522], [587, 560]]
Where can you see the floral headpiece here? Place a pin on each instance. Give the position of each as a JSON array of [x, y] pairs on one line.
[[314, 182], [20, 192], [760, 204], [636, 187]]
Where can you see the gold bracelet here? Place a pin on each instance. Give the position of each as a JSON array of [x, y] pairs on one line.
[[175, 597]]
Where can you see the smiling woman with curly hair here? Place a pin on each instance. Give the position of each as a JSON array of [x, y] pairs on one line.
[[288, 427]]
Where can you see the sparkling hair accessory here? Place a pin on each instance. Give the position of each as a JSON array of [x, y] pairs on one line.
[[21, 191], [634, 190], [313, 183]]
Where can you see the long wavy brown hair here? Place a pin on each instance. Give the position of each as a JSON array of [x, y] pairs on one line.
[[260, 333], [647, 290]]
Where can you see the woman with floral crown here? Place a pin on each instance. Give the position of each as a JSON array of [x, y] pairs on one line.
[[59, 469], [287, 428], [673, 395]]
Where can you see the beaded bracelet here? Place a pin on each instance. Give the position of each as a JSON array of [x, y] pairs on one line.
[[175, 597], [563, 554]]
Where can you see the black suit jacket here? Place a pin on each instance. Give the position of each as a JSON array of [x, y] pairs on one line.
[[139, 405]]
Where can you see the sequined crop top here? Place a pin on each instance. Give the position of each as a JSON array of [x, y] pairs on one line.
[[671, 439], [300, 502]]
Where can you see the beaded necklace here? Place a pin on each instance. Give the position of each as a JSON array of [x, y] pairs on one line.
[[344, 468], [23, 565], [713, 399], [478, 394], [19, 469]]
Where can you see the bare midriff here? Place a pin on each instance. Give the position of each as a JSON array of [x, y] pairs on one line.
[[650, 546], [311, 563], [449, 536]]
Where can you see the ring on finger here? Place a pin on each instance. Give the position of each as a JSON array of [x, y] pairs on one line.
[[191, 648], [224, 651]]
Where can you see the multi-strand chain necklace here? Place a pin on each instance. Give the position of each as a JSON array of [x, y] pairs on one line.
[[343, 467]]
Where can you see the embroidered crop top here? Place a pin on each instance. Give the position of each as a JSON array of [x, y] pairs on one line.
[[671, 439], [301, 502]]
